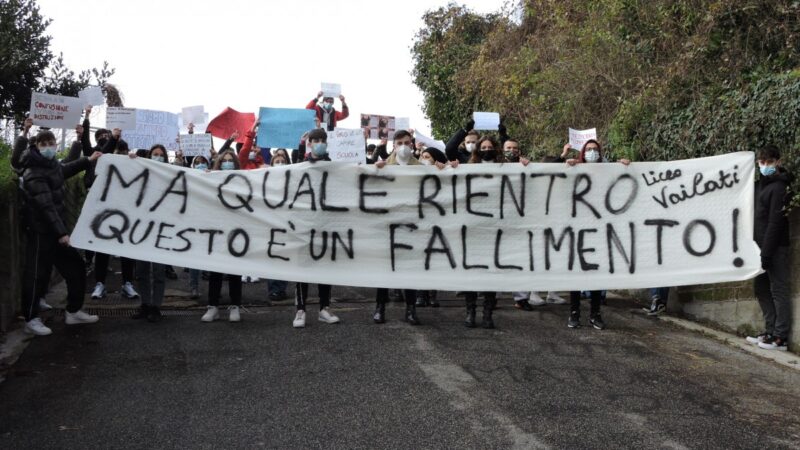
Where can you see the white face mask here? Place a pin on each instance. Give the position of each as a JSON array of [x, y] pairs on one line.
[[471, 147], [426, 162], [592, 156], [403, 153]]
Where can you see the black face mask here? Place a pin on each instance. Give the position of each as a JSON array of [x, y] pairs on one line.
[[102, 142], [511, 157], [489, 155]]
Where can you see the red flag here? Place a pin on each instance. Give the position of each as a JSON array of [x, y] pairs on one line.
[[229, 121]]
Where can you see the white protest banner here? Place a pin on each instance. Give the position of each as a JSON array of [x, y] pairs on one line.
[[153, 127], [402, 123], [347, 145], [92, 96], [331, 90], [196, 144], [122, 118], [579, 137], [55, 111], [193, 114], [478, 227], [428, 141], [486, 120]]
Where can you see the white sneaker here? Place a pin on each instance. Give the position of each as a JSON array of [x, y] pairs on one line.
[[520, 296], [554, 298], [211, 314], [327, 317], [755, 340], [79, 317], [299, 319], [99, 291], [233, 314], [129, 291], [36, 327], [43, 306], [535, 300]]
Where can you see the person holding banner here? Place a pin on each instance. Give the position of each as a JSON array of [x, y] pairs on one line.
[[200, 163], [317, 140], [47, 243], [327, 116], [591, 152], [226, 160]]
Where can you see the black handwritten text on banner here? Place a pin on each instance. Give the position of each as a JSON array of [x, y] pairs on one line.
[[486, 227]]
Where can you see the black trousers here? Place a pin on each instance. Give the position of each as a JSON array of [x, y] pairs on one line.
[[101, 268], [301, 295], [489, 298], [42, 253], [382, 296], [575, 302], [215, 288]]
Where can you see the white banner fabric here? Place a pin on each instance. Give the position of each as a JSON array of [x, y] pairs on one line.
[[478, 227]]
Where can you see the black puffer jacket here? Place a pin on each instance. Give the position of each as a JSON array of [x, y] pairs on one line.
[[771, 227], [43, 183]]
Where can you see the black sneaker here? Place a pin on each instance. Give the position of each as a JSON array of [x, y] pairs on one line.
[[774, 343], [154, 314], [574, 320], [597, 322], [656, 308], [170, 273], [277, 296], [523, 305], [141, 313]]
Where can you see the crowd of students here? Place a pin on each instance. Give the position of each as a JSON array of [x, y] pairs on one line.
[[47, 245]]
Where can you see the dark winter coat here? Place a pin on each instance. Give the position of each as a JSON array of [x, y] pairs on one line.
[[771, 227]]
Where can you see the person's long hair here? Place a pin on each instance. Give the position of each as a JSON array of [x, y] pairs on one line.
[[221, 156], [582, 156], [476, 157]]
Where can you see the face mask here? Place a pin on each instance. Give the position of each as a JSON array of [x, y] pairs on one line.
[[102, 142], [252, 156], [426, 162], [201, 166], [48, 152], [327, 106], [592, 156], [280, 164], [470, 147], [227, 165], [767, 170], [158, 158], [403, 153], [320, 149], [488, 155]]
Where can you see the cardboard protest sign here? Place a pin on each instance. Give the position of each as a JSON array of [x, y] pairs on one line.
[[579, 137], [479, 227], [55, 111], [92, 96], [229, 121], [331, 90], [347, 145], [193, 114], [428, 141], [122, 118], [377, 126], [153, 127], [283, 127], [195, 144], [486, 120]]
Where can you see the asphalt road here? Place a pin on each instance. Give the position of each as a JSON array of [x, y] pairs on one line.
[[530, 383]]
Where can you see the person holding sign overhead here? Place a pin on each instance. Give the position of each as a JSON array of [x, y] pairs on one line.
[[463, 143], [327, 116], [591, 152]]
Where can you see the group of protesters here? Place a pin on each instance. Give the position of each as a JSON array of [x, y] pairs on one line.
[[43, 176]]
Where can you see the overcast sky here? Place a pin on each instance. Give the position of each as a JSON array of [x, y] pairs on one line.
[[245, 54]]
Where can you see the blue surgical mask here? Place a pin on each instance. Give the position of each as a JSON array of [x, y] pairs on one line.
[[48, 152], [320, 149], [251, 156], [767, 170], [157, 158], [201, 166], [327, 106], [227, 165]]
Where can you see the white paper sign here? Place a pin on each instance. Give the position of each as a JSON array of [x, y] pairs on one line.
[[193, 114], [122, 118], [55, 111], [428, 141], [486, 120], [92, 96], [153, 127], [579, 137], [331, 90], [587, 227], [402, 123], [196, 144], [347, 145]]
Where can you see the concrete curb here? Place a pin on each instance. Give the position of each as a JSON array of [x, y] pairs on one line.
[[786, 359], [15, 342]]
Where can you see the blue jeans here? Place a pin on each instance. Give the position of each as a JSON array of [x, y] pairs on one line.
[[194, 278], [661, 293]]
